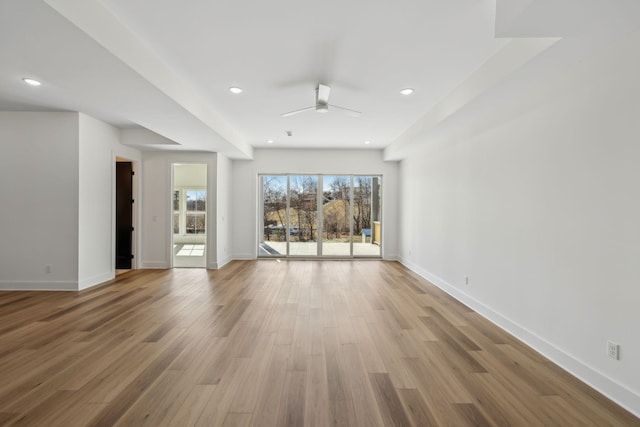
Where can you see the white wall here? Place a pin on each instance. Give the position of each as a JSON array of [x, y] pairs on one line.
[[190, 175], [336, 162], [39, 194], [62, 169], [98, 147], [224, 192], [542, 212], [157, 207]]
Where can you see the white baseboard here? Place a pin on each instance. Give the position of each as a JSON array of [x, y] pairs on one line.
[[223, 262], [96, 280], [154, 265], [620, 394], [38, 286], [243, 256]]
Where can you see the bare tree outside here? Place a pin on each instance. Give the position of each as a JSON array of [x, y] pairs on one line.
[[349, 207], [361, 204], [275, 207], [336, 208], [303, 203]]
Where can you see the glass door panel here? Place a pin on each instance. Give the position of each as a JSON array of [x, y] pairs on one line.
[[336, 210], [273, 239], [367, 224], [303, 215]]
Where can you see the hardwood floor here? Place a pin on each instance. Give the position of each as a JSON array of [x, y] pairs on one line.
[[266, 343]]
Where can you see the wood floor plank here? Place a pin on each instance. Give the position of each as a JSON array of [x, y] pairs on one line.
[[218, 405], [7, 417], [316, 403], [416, 408], [392, 358], [159, 403], [193, 406], [61, 408], [472, 415], [118, 407], [341, 403], [388, 401], [555, 407], [363, 394], [268, 343], [235, 419], [246, 397], [291, 412], [271, 390], [439, 394]]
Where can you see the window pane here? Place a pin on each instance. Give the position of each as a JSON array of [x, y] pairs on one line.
[[195, 223], [196, 200], [176, 223], [367, 234], [336, 233], [176, 200], [274, 216], [303, 215]]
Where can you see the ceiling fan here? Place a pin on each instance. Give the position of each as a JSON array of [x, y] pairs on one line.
[[322, 104]]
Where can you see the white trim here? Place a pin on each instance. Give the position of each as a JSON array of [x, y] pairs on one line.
[[7, 285], [620, 394], [155, 264], [210, 210], [223, 262], [244, 256], [96, 280]]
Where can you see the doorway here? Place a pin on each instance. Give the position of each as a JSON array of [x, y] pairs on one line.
[[124, 215], [189, 215]]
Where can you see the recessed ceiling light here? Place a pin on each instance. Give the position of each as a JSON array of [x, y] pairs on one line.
[[270, 141], [31, 82], [367, 142], [407, 91], [235, 90]]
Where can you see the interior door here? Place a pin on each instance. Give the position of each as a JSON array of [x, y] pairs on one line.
[[124, 215]]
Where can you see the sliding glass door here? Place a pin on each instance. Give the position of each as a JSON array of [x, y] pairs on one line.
[[303, 215], [336, 216], [273, 241], [367, 227]]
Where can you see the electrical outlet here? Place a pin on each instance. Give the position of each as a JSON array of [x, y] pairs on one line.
[[47, 268], [466, 280], [613, 350]]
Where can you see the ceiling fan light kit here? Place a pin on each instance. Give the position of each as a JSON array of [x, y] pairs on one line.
[[322, 104]]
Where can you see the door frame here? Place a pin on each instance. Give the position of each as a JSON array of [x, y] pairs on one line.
[[135, 211], [208, 229]]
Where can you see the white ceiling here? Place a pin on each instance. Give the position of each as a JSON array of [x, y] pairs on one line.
[[167, 65]]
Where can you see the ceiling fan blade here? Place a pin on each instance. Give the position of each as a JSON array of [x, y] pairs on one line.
[[352, 113], [302, 110], [322, 94]]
